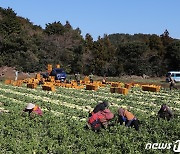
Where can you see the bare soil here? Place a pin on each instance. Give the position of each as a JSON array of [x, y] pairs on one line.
[[9, 73]]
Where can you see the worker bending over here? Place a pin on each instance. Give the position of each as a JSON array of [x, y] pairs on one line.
[[165, 112], [32, 108], [100, 120], [127, 117], [100, 116], [100, 107]]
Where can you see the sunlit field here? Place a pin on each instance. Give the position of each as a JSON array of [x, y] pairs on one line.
[[65, 112]]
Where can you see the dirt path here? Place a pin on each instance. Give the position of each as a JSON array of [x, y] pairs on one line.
[[9, 73]]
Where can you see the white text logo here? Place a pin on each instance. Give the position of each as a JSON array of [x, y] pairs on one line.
[[162, 146]]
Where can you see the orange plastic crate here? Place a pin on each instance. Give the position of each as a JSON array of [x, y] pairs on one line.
[[91, 87], [48, 88], [32, 85]]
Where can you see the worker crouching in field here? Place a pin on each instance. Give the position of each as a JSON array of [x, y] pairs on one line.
[[128, 118], [165, 112], [100, 120], [32, 108], [100, 107]]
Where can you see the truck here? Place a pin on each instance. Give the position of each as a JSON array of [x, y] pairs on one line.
[[174, 74], [59, 74]]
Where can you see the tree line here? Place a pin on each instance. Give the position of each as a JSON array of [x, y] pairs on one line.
[[30, 48]]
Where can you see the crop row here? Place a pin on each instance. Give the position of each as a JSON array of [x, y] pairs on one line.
[[61, 128], [84, 101], [39, 97]]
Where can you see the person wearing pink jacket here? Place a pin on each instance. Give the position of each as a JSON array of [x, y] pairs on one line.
[[107, 115], [32, 108], [100, 119]]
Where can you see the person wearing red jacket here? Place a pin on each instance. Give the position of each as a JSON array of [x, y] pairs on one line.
[[102, 105], [107, 115], [100, 119], [127, 117], [32, 108]]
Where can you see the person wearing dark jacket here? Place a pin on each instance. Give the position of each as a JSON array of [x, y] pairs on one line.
[[77, 78], [165, 112], [172, 83], [91, 78], [100, 107]]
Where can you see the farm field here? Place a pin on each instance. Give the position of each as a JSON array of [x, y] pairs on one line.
[[61, 128]]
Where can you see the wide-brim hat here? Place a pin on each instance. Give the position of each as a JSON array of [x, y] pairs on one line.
[[30, 106], [100, 102]]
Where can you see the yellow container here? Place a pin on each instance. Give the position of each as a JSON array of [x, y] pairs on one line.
[[8, 82], [58, 66]]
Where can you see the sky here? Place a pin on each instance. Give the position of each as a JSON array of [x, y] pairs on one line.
[[99, 17]]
